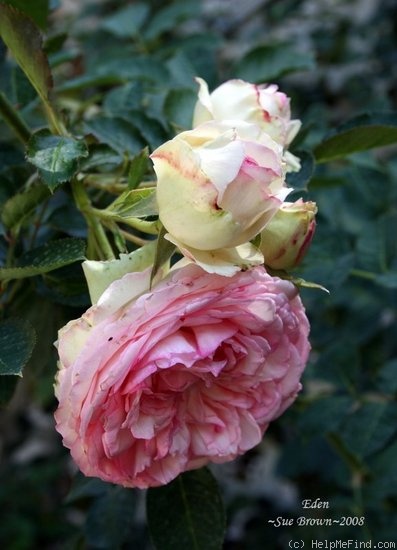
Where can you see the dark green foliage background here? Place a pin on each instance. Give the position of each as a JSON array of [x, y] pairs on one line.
[[124, 80]]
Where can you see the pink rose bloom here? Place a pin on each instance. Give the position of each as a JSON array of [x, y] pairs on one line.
[[153, 383]]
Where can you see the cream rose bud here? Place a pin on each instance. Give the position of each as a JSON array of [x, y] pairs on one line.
[[219, 184], [285, 240], [262, 104]]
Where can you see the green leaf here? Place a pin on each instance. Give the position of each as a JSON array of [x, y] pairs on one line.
[[331, 271], [339, 364], [383, 481], [380, 421], [121, 99], [23, 91], [91, 80], [24, 40], [169, 17], [354, 463], [324, 414], [12, 118], [117, 133], [183, 70], [150, 129], [17, 340], [65, 285], [100, 274], [268, 63], [19, 208], [109, 521], [299, 282], [299, 180], [387, 280], [61, 57], [56, 157], [387, 380], [100, 157], [369, 248], [127, 22], [187, 513], [46, 258], [37, 10], [135, 203], [179, 106], [54, 42], [164, 251], [119, 71], [358, 134], [138, 168], [376, 249], [84, 488]]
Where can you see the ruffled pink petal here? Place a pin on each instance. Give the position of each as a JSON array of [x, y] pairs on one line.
[[189, 373]]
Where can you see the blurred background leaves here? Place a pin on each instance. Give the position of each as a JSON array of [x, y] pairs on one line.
[[123, 81]]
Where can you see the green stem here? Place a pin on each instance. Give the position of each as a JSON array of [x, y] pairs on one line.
[[133, 238], [356, 466], [10, 252], [98, 233], [363, 274], [108, 183], [101, 238], [57, 127], [105, 183], [359, 471], [141, 225], [357, 485], [38, 222], [14, 120]]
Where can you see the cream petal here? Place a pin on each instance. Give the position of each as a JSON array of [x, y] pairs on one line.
[[224, 261], [203, 108], [100, 274], [222, 164]]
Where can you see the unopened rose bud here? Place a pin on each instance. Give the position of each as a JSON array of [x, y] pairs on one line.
[[219, 184], [262, 104], [286, 238]]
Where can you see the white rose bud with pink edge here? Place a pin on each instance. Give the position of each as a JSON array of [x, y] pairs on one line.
[[286, 239], [261, 104], [218, 185]]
